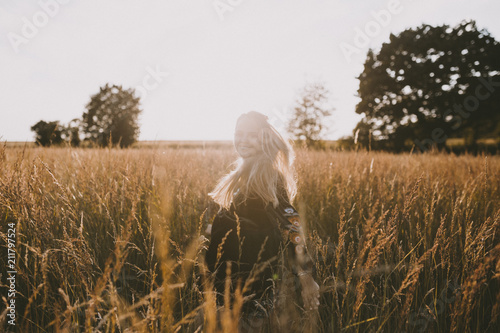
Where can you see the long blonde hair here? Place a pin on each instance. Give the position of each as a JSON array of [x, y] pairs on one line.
[[264, 175]]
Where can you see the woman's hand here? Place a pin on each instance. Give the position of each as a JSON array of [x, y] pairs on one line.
[[310, 291]]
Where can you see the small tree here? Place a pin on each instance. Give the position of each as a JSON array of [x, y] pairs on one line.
[[309, 112], [47, 133], [71, 133], [112, 117]]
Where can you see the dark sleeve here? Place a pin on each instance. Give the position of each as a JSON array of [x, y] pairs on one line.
[[223, 237]]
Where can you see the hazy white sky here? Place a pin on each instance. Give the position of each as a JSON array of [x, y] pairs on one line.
[[199, 63]]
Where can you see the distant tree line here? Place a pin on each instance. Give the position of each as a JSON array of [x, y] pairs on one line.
[[424, 87], [111, 119]]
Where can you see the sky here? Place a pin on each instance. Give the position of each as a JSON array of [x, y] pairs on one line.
[[199, 64]]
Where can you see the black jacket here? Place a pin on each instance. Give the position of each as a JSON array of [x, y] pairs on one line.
[[252, 235]]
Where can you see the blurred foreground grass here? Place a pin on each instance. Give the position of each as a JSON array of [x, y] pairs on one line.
[[113, 240]]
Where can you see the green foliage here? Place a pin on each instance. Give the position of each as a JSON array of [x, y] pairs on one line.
[[48, 133], [112, 117], [311, 108], [431, 78]]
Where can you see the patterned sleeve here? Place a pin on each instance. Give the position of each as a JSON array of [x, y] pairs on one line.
[[294, 239]]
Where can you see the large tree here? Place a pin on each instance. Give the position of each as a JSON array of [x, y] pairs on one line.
[[311, 108], [112, 117], [431, 83]]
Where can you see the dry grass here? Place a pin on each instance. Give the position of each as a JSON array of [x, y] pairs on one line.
[[113, 240]]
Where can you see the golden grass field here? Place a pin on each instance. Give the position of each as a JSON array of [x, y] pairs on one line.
[[111, 240]]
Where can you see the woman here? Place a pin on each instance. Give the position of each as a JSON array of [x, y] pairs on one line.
[[256, 220]]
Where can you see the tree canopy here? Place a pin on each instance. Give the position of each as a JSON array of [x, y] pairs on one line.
[[428, 84], [112, 117]]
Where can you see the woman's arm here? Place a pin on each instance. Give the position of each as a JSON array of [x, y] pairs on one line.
[[299, 259], [294, 238], [301, 262]]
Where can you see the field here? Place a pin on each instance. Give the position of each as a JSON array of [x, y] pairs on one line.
[[112, 240]]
